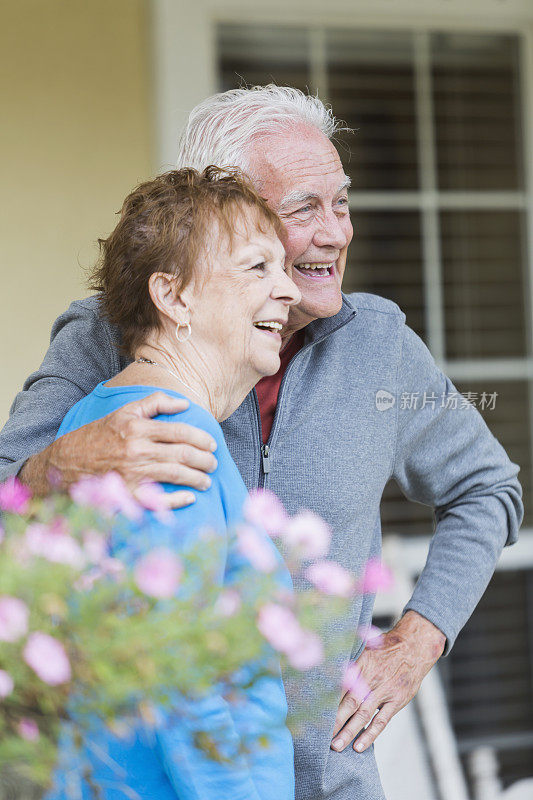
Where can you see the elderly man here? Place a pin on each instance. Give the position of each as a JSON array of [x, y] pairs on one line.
[[326, 433]]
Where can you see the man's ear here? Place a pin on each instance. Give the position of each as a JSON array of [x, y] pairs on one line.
[[162, 288]]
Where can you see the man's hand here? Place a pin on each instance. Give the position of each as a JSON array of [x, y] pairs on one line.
[[392, 672], [130, 442]]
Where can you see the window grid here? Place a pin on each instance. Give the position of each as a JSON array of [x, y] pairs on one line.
[[429, 201], [526, 74], [318, 63], [431, 252]]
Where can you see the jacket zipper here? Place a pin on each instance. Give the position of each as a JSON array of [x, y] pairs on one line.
[[266, 452], [265, 455]]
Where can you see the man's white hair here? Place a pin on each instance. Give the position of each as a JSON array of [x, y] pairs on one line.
[[221, 128]]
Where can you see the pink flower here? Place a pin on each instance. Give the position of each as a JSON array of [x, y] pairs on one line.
[[87, 580], [307, 652], [6, 683], [54, 543], [113, 568], [331, 578], [376, 577], [158, 573], [14, 496], [264, 509], [282, 630], [228, 602], [308, 535], [94, 546], [108, 567], [372, 636], [256, 548], [279, 626], [28, 729], [47, 658], [107, 493], [14, 614], [354, 682], [153, 497]]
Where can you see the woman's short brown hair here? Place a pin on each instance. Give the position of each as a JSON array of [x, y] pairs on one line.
[[162, 228]]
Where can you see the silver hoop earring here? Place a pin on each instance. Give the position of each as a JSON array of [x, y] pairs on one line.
[[187, 334]]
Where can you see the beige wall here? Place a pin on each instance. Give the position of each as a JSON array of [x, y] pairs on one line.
[[76, 136]]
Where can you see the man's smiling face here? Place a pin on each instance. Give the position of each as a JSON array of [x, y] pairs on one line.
[[299, 173]]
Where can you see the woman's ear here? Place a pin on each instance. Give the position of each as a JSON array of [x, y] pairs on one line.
[[162, 288]]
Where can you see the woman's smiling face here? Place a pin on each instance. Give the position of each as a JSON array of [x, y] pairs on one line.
[[242, 299]]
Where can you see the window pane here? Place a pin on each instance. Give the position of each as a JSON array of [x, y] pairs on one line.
[[476, 98], [401, 516], [483, 265], [371, 87], [509, 422], [385, 258], [260, 55]]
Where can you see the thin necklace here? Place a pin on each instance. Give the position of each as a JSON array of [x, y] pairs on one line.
[[142, 360]]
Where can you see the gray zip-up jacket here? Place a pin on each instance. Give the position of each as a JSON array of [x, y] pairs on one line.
[[362, 402]]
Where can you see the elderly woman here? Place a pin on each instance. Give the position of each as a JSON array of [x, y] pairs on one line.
[[194, 276]]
